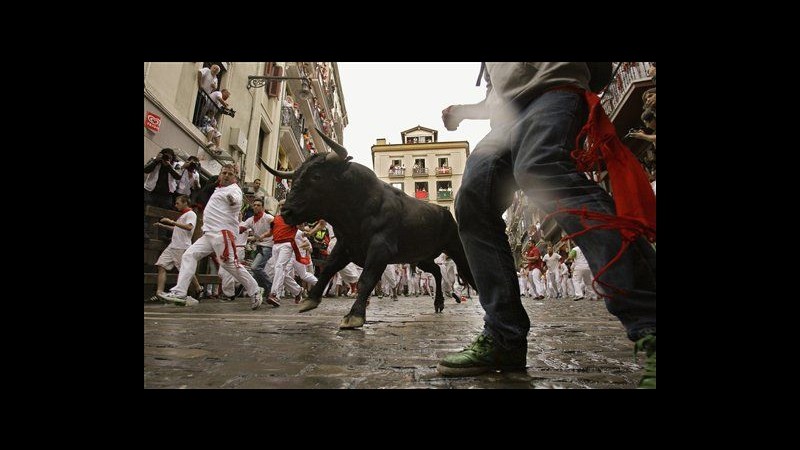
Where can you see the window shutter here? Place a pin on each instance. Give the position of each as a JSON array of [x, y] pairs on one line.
[[274, 86]]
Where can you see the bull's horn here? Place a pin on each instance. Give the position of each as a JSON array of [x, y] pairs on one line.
[[341, 151], [280, 173]]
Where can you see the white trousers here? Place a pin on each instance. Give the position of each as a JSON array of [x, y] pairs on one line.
[[212, 242]]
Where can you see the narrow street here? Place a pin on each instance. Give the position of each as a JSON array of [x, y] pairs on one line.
[[226, 345]]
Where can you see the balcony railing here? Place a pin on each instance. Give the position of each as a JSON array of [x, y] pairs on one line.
[[420, 171], [444, 170], [444, 195], [288, 119], [626, 75], [422, 195], [397, 172], [204, 105]]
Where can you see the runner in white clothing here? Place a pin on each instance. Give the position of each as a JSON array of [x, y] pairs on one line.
[[220, 222]]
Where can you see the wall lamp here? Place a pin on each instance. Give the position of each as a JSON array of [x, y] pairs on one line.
[[254, 81]]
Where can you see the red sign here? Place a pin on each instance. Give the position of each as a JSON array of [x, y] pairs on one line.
[[152, 122]]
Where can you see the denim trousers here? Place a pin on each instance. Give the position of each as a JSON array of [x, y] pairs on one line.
[[263, 256], [532, 153]]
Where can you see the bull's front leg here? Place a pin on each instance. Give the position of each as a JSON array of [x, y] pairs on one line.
[[433, 268], [366, 283], [337, 260]]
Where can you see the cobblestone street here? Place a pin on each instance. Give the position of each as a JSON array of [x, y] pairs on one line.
[[226, 345]]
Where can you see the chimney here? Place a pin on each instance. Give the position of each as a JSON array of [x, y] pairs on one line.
[[380, 141]]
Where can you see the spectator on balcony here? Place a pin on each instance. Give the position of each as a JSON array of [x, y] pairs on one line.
[[651, 72], [220, 99], [288, 101], [208, 126], [207, 78]]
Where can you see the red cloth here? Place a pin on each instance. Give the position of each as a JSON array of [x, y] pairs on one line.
[[633, 196]]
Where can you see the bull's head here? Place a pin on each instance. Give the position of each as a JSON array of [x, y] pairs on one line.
[[312, 194]]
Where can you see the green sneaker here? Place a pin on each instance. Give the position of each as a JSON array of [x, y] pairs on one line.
[[648, 344], [482, 356]]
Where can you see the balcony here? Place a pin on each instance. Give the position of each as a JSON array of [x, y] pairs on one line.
[[288, 119], [290, 133], [397, 172], [444, 195], [444, 171], [420, 172], [629, 79]]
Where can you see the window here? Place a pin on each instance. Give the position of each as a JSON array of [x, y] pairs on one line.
[[444, 190], [421, 189], [420, 162], [398, 186], [396, 163], [443, 162]]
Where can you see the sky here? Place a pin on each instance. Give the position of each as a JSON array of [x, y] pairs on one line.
[[383, 99]]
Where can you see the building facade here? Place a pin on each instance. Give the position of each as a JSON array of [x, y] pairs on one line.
[[257, 128], [421, 166]]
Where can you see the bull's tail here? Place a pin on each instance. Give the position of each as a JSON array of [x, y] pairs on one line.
[[456, 252]]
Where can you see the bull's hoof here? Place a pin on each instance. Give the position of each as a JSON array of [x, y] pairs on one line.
[[350, 321], [308, 305], [438, 306]]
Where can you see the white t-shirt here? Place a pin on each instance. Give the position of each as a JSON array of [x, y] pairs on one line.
[[260, 227], [551, 261], [300, 239], [219, 213], [186, 182], [208, 81], [217, 97], [580, 261], [181, 238]]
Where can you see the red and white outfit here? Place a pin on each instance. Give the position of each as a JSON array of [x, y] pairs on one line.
[[220, 226], [228, 282], [302, 265], [181, 240], [535, 272], [283, 254]]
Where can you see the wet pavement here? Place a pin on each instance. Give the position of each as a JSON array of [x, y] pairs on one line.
[[572, 344]]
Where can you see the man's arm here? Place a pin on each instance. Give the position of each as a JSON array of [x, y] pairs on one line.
[[151, 165], [454, 114], [167, 221]]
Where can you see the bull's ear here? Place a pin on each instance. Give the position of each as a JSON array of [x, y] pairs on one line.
[[348, 158]]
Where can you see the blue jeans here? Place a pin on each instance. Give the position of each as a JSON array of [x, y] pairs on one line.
[[533, 154], [263, 256]]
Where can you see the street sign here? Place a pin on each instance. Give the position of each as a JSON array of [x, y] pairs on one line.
[[152, 122]]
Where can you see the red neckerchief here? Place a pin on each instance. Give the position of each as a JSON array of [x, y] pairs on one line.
[[633, 196], [258, 217], [185, 210]]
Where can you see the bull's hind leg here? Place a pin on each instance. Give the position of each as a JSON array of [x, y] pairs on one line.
[[433, 268]]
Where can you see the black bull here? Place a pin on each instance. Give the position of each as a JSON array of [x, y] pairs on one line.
[[375, 225]]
